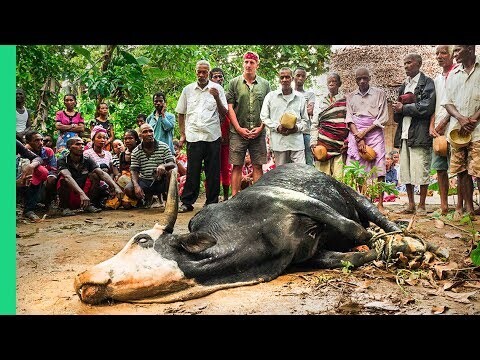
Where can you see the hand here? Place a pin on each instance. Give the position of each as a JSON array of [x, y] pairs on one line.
[[138, 192], [397, 107], [244, 133], [359, 136], [214, 92], [361, 146], [84, 200], [161, 171], [118, 192], [255, 132], [181, 141]]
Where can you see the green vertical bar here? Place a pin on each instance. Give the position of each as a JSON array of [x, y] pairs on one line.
[[7, 208]]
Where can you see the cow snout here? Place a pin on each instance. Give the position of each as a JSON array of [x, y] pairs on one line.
[[91, 292]]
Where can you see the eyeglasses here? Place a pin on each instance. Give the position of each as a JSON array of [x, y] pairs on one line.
[[217, 77]]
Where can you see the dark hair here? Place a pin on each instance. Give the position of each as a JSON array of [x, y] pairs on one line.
[[29, 135], [134, 133], [158, 94], [217, 69], [97, 109], [74, 97], [143, 116], [300, 68]]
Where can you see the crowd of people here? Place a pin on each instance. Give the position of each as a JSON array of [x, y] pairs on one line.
[[235, 134]]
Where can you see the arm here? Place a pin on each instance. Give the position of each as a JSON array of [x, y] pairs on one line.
[[168, 121], [181, 125], [110, 134], [72, 184], [426, 105], [108, 179], [221, 101]]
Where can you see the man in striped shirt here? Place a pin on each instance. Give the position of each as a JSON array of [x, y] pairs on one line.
[[151, 165]]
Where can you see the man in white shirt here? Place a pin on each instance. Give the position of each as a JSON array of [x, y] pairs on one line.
[[201, 108]]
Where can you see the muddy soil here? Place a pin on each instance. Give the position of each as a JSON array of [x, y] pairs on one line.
[[50, 253]]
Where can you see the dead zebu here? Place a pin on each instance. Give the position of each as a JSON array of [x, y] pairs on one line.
[[293, 215]]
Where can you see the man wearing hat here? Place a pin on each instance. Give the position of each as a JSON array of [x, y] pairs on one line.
[[247, 132]]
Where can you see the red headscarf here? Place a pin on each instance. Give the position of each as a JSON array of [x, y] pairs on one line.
[[96, 129], [251, 55]]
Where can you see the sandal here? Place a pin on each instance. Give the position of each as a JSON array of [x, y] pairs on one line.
[[421, 212], [30, 215], [68, 212]]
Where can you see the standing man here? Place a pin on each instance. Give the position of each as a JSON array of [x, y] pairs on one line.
[[440, 121], [245, 98], [366, 115], [162, 121], [216, 75], [24, 116], [299, 77], [462, 101], [201, 108], [287, 144], [329, 128], [412, 113]]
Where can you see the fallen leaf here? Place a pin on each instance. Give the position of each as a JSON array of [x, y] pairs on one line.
[[439, 224], [408, 301], [439, 309], [473, 285], [440, 269], [460, 297], [453, 235]]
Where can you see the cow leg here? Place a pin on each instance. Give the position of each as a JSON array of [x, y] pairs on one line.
[[333, 259]]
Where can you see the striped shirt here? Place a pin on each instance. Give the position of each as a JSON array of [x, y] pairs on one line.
[[145, 165]]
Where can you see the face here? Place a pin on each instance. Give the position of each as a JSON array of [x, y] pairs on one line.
[[300, 77], [77, 147], [140, 121], [147, 133], [362, 78], [202, 75], [124, 277], [100, 139], [461, 53], [159, 103], [36, 143], [118, 147], [333, 85], [444, 58], [103, 109], [20, 96], [217, 77], [177, 149], [47, 141], [286, 79], [250, 66], [412, 66], [69, 102], [130, 141], [388, 162], [395, 158], [247, 159]]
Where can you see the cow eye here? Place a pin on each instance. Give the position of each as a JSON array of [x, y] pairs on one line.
[[144, 240]]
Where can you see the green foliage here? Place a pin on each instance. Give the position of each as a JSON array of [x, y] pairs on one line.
[[135, 73], [346, 266], [475, 255], [366, 182]]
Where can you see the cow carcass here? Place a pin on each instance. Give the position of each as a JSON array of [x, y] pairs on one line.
[[293, 215]]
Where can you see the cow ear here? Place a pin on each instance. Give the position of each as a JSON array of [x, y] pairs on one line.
[[195, 242]]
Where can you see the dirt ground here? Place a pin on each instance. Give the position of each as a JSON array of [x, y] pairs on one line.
[[50, 253]]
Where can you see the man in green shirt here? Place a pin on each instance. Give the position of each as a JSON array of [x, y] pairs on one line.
[[247, 132]]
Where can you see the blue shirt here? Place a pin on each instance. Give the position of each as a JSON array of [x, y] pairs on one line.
[[163, 128], [391, 176]]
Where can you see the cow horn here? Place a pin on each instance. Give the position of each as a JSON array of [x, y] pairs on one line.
[[171, 207]]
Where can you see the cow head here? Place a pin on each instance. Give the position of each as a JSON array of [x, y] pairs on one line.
[[145, 267]]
